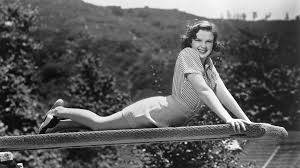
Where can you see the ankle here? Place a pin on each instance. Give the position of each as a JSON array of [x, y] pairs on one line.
[[59, 111]]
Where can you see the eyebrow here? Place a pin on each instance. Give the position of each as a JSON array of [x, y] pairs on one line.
[[201, 39]]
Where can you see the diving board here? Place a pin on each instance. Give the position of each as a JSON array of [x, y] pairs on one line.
[[137, 136]]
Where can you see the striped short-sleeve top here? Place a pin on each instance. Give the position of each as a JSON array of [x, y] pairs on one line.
[[188, 61]]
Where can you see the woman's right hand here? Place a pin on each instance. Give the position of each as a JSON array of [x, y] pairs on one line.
[[238, 124]]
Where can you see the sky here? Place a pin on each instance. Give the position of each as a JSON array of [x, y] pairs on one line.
[[215, 8]]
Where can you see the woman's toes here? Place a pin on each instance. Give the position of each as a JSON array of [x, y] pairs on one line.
[[58, 102]]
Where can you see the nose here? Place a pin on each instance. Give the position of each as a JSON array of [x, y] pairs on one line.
[[202, 44]]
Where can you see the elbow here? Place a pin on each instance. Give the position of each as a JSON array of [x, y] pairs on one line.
[[205, 92]]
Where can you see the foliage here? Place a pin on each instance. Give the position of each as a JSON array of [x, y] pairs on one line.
[[194, 154], [116, 10], [93, 88], [18, 102], [84, 82], [103, 74], [269, 92], [17, 67]]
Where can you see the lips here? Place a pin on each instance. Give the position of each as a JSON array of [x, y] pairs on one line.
[[202, 51]]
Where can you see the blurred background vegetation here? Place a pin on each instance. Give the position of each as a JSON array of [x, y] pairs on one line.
[[104, 58]]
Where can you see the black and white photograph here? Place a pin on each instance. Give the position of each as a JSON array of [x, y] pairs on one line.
[[149, 84]]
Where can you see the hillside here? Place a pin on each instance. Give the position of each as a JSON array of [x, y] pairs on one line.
[[147, 27], [137, 43], [105, 58]]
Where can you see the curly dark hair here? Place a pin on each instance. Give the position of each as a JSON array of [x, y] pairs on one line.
[[192, 29]]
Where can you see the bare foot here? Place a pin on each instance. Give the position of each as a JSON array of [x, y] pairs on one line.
[[50, 120]]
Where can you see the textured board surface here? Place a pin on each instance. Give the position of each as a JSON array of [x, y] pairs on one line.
[[133, 136]]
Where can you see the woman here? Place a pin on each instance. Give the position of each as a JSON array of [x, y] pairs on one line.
[[195, 82]]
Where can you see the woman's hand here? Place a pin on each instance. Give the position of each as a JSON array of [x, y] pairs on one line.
[[238, 124]]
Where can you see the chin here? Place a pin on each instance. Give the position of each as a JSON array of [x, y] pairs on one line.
[[201, 56]]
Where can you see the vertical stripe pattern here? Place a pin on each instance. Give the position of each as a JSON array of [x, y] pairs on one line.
[[188, 61]]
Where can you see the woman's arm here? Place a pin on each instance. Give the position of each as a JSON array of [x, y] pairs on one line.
[[208, 96], [211, 100], [228, 101]]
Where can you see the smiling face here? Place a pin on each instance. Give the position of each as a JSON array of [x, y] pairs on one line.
[[203, 43]]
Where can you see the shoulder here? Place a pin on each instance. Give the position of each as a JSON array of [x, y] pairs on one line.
[[188, 52], [211, 64], [213, 68]]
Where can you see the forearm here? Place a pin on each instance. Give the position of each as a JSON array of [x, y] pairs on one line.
[[230, 103], [233, 106], [210, 99], [208, 96]]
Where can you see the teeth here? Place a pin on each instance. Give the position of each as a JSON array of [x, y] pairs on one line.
[[202, 51]]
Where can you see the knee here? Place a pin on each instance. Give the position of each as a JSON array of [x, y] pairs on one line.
[[109, 123], [98, 124]]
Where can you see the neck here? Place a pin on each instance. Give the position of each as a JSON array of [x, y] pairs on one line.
[[204, 60]]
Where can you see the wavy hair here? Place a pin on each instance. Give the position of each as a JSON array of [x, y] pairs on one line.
[[192, 30]]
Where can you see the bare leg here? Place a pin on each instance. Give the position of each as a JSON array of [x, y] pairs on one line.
[[92, 120], [68, 123]]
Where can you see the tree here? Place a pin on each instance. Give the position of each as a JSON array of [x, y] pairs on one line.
[[268, 91], [18, 101], [194, 154], [286, 16], [254, 15], [93, 88], [228, 14], [17, 67], [116, 10], [244, 16], [221, 16], [88, 87], [268, 15]]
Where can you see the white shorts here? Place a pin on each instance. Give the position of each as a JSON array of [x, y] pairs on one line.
[[156, 111]]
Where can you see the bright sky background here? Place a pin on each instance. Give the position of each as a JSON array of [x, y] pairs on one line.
[[215, 8]]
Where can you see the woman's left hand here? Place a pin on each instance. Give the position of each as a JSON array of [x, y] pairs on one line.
[[238, 124]]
